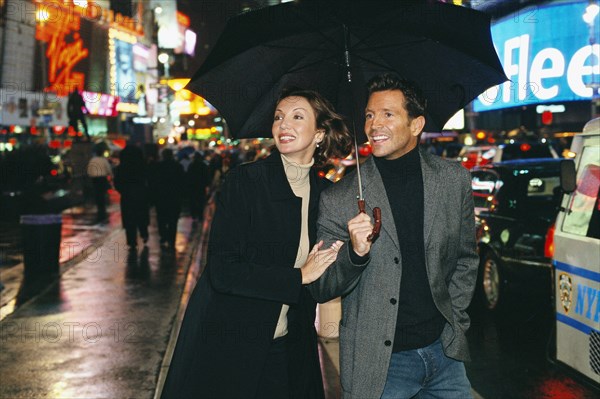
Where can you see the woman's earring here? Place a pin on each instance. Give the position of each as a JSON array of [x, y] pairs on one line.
[[317, 144]]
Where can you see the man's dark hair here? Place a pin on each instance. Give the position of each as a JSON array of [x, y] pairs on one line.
[[415, 103]]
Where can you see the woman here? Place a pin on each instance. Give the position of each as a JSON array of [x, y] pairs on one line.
[[249, 330], [131, 182]]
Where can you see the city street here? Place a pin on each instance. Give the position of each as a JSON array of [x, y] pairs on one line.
[[106, 329], [154, 102], [513, 351], [102, 329]]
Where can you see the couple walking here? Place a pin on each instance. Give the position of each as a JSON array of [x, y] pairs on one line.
[[281, 240]]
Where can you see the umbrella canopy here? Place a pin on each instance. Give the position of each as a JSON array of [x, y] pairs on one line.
[[335, 47]]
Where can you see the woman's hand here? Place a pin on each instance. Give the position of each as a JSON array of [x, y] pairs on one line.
[[319, 260]]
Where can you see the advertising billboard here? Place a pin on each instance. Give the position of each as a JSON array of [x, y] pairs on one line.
[[125, 77], [549, 54]]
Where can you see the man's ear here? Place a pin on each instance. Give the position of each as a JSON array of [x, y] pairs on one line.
[[417, 125]]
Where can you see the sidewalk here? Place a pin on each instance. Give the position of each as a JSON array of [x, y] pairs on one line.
[[102, 330], [79, 236], [108, 326]]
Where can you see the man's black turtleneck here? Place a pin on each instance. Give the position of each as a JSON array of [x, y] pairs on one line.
[[419, 322]]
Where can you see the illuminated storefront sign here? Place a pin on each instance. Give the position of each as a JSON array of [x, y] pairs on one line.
[[100, 104], [546, 54], [168, 24], [141, 57], [75, 37], [23, 108], [64, 50]]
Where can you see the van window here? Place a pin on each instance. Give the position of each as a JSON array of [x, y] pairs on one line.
[[583, 202]]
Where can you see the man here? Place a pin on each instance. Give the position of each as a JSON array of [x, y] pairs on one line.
[[197, 183], [168, 187], [99, 170], [405, 294], [76, 110]]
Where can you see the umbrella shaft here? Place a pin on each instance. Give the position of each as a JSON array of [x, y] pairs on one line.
[[347, 54], [360, 191]]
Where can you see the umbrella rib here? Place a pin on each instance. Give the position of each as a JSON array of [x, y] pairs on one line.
[[274, 46], [392, 45], [299, 68], [387, 67]]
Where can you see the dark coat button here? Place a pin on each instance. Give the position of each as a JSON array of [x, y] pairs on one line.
[[396, 260], [393, 301], [388, 343]]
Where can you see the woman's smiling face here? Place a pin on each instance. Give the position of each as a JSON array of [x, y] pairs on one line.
[[295, 129]]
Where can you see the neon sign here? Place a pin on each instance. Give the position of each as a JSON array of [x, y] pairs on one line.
[[544, 65], [64, 50], [101, 104]]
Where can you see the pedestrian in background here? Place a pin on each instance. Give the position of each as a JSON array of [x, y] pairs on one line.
[[220, 173], [249, 328], [168, 192], [131, 182], [100, 171], [197, 184], [405, 295], [185, 162], [76, 111]]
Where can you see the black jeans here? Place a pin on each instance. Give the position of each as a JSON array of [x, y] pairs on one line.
[[131, 230], [167, 216], [100, 186]]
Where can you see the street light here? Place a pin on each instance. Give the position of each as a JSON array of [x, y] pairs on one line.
[[589, 17], [163, 58]]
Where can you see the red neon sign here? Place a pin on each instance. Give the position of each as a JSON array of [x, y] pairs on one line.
[[65, 49]]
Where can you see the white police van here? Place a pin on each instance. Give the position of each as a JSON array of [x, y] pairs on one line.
[[576, 259]]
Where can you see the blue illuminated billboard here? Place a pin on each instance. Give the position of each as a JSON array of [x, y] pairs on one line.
[[546, 54], [126, 83]]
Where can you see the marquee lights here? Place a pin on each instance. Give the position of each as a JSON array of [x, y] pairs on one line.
[[68, 9]]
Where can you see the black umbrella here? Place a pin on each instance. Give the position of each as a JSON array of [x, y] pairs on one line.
[[447, 50]]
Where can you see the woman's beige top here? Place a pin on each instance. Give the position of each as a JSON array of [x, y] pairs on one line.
[[298, 178]]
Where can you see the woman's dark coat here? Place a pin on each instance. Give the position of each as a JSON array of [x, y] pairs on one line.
[[234, 309]]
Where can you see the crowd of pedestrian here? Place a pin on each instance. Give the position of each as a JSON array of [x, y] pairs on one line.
[[167, 181]]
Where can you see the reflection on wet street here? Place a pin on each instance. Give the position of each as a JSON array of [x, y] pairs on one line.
[[513, 348], [100, 331], [80, 237]]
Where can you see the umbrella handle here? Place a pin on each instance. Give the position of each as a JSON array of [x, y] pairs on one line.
[[376, 215]]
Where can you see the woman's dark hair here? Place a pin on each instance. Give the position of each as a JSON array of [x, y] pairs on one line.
[[415, 103], [337, 141]]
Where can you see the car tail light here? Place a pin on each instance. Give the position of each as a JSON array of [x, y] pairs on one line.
[[549, 245]]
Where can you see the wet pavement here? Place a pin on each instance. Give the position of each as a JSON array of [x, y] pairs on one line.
[[79, 237], [513, 349], [102, 329], [107, 327]]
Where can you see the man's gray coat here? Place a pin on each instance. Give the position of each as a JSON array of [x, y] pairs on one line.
[[368, 315]]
